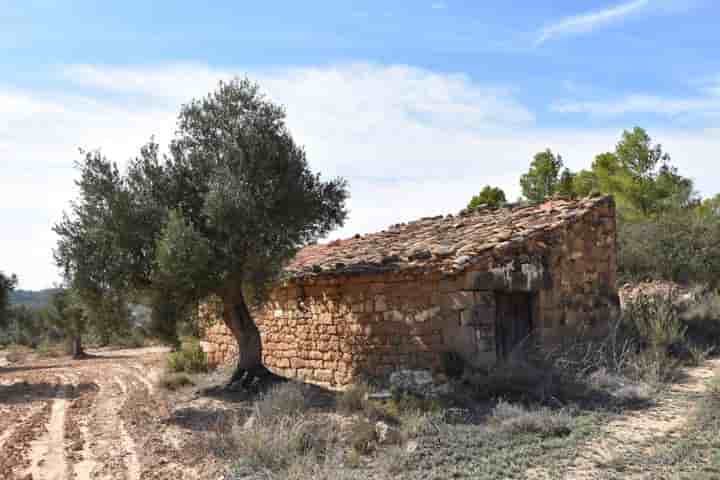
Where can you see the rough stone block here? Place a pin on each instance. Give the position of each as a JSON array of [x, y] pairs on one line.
[[380, 303], [459, 300], [427, 314]]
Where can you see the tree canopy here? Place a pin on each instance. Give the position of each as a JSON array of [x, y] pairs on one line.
[[7, 285], [640, 176], [660, 215], [543, 178], [489, 196]]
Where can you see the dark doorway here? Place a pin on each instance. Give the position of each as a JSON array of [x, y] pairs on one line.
[[513, 321]]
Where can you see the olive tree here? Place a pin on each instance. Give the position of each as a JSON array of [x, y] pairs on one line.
[[69, 316], [7, 285], [219, 215]]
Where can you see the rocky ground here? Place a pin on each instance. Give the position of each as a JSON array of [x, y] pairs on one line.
[[107, 418]]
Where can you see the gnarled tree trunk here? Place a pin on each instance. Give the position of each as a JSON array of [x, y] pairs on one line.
[[238, 319], [77, 349]]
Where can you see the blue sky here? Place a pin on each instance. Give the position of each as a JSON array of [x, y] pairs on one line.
[[419, 104]]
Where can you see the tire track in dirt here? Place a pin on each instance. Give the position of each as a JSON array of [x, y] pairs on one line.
[[161, 454], [132, 461], [77, 435], [47, 453], [99, 418], [14, 454], [635, 434], [31, 397], [97, 428], [14, 419]]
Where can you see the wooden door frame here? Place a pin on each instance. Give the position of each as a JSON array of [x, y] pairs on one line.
[[531, 298]]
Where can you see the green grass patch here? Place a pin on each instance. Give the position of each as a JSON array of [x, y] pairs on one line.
[[189, 359]]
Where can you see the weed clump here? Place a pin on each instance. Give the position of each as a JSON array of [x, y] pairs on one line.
[[190, 358]]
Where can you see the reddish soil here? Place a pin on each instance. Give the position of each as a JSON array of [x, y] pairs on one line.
[[99, 418]]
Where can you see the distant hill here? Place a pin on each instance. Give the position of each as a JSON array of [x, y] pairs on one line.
[[32, 298]]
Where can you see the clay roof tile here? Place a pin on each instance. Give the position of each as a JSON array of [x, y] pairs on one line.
[[444, 243]]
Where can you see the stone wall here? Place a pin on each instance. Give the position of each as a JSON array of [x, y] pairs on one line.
[[582, 292], [330, 330]]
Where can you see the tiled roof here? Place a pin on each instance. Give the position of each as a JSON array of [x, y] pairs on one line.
[[445, 243]]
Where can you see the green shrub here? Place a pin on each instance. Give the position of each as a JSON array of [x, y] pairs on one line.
[[681, 246], [189, 359], [47, 349], [134, 338]]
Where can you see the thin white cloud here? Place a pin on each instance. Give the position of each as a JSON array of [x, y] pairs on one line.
[[587, 22], [438, 6], [641, 104], [711, 86], [706, 102]]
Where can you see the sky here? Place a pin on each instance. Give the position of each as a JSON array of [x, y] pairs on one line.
[[418, 104]]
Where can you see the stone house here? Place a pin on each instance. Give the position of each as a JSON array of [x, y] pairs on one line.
[[470, 286]]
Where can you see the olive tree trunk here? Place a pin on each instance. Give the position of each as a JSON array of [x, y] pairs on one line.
[[239, 321], [77, 349]]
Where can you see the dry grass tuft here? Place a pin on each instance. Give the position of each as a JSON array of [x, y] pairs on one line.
[[363, 436], [515, 418], [354, 399]]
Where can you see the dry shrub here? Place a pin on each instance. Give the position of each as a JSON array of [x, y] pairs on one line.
[[416, 423], [637, 350], [634, 393], [174, 381], [515, 418], [354, 399], [655, 320], [281, 438], [279, 443], [363, 436], [655, 366], [623, 390], [698, 354], [284, 399], [518, 379]]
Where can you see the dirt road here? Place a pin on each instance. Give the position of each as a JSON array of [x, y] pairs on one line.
[[100, 418], [626, 441]]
